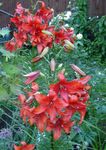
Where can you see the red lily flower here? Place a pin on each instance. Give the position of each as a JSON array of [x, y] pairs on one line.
[[20, 38], [62, 35], [11, 46], [45, 13], [64, 88], [19, 10], [33, 118], [24, 146], [50, 104], [58, 126]]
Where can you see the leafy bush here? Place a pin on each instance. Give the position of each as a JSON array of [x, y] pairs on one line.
[[90, 135], [92, 28]]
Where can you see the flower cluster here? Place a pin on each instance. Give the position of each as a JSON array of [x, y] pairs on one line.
[[54, 111], [5, 133], [34, 29]]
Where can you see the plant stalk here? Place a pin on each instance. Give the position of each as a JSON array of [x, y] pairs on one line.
[[52, 141]]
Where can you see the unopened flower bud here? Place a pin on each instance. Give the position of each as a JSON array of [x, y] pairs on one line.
[[78, 70], [45, 51], [68, 45], [42, 74], [63, 70], [52, 64], [31, 76], [47, 32], [60, 65]]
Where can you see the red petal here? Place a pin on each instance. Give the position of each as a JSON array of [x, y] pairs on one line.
[[67, 115], [82, 115], [35, 86], [49, 126], [39, 109], [67, 126], [57, 133], [24, 147], [42, 99], [30, 147], [17, 147], [73, 99], [41, 122], [84, 80], [64, 94], [52, 112], [30, 79], [36, 59], [39, 48], [22, 98], [60, 104], [61, 76], [86, 97], [43, 4]]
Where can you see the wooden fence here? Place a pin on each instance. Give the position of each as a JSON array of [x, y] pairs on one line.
[[96, 7], [10, 5]]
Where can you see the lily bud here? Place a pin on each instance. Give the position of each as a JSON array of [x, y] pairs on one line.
[[47, 32], [36, 59], [60, 65], [52, 64], [78, 70], [42, 74], [45, 51], [68, 45], [31, 76]]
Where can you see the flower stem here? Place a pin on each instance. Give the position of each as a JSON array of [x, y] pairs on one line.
[[52, 141]]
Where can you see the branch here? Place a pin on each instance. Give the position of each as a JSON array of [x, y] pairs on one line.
[[6, 13]]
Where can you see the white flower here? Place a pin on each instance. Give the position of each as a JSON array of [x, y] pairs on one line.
[[67, 15], [66, 25], [79, 36], [72, 28], [59, 17]]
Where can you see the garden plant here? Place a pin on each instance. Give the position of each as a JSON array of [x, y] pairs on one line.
[[44, 92]]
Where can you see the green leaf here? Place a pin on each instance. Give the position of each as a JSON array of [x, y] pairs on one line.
[[15, 89], [6, 53], [3, 94], [11, 69], [4, 31]]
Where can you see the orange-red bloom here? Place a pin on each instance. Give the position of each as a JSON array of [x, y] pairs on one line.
[[55, 110], [58, 126], [24, 146], [35, 30], [50, 104]]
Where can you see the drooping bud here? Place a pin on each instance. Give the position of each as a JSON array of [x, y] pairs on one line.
[[78, 70], [36, 59], [31, 76]]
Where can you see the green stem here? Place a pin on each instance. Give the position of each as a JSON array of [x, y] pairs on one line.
[[52, 141]]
